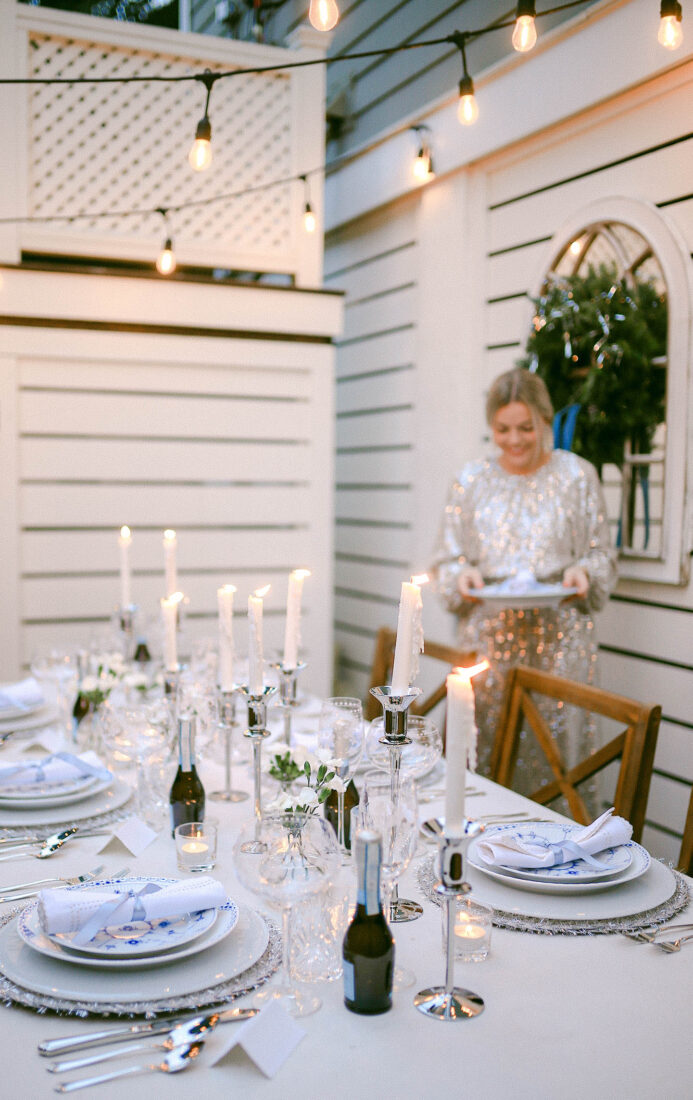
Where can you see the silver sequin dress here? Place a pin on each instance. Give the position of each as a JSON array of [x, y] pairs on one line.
[[542, 522]]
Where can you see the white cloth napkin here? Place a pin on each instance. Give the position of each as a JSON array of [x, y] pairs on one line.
[[506, 850], [65, 910], [25, 693], [51, 769]]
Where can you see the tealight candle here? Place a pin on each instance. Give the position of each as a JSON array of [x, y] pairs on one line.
[[471, 929], [196, 845]]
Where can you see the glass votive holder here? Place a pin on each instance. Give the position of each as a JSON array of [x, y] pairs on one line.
[[471, 928], [196, 845]]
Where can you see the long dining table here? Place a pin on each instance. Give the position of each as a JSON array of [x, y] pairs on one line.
[[566, 1016]]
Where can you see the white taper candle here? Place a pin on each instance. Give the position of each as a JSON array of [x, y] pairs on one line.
[[125, 542], [225, 604], [409, 636], [170, 565], [460, 744], [292, 631], [256, 679]]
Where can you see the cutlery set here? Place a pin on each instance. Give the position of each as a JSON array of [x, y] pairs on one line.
[[184, 1039], [31, 889], [669, 946]]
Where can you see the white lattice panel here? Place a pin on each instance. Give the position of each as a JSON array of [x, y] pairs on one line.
[[124, 147]]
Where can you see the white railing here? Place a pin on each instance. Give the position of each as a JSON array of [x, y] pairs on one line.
[[109, 148]]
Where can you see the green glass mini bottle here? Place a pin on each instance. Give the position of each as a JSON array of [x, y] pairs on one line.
[[187, 796], [368, 951]]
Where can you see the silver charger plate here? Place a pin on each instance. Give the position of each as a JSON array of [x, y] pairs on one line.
[[544, 595], [162, 985], [115, 795], [225, 922]]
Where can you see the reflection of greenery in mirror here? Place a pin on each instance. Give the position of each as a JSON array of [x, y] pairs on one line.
[[599, 341]]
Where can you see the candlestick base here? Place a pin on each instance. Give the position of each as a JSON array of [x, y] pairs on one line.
[[171, 679], [227, 722], [404, 909], [124, 620], [459, 1004]]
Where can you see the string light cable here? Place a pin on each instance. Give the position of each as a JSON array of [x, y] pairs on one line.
[[467, 108]]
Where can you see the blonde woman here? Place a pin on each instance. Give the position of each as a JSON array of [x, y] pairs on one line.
[[536, 515]]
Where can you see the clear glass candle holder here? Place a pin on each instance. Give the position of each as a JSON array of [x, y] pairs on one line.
[[318, 924], [196, 845], [472, 929]]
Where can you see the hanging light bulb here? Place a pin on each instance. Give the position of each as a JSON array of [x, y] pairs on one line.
[[422, 165], [670, 34], [200, 155], [309, 222], [323, 14], [525, 31], [166, 260], [467, 108]]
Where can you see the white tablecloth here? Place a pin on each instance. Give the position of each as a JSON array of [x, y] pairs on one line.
[[566, 1017]]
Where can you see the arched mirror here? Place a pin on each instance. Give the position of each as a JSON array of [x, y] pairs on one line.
[[610, 335]]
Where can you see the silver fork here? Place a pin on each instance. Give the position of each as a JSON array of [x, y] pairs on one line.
[[651, 936], [673, 945], [89, 876]]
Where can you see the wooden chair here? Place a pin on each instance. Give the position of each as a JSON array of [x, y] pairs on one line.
[[383, 660], [634, 746], [686, 856]]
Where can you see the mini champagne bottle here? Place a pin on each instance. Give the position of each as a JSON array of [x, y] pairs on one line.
[[368, 952], [187, 796]]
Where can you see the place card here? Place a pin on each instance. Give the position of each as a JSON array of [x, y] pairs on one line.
[[268, 1039], [132, 836]]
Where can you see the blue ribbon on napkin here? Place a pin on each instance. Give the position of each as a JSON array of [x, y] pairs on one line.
[[566, 851], [108, 912], [38, 766]]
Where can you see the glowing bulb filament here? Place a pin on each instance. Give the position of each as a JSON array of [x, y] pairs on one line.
[[421, 167], [200, 155], [467, 109], [309, 220], [166, 261], [323, 14], [670, 34], [524, 33]]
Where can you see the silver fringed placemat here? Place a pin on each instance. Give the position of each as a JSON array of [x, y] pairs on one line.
[[99, 821], [427, 876], [256, 975]]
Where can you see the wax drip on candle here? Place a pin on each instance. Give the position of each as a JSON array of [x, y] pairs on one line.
[[417, 633]]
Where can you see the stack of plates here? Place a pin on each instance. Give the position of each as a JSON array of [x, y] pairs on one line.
[[136, 945], [32, 796], [17, 719], [619, 865]]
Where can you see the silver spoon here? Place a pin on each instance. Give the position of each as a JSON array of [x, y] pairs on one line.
[[673, 945], [50, 845], [651, 936], [178, 1036], [175, 1061]]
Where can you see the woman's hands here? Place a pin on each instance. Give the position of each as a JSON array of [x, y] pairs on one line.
[[468, 578], [576, 577]]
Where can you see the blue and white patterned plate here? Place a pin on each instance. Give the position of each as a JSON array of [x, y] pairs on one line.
[[614, 860], [127, 941]]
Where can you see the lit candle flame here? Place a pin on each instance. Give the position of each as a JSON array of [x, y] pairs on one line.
[[169, 535], [262, 592], [228, 588], [175, 598], [471, 670], [301, 573], [420, 578], [125, 532]]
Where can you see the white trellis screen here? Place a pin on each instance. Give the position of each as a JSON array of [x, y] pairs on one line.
[[123, 147]]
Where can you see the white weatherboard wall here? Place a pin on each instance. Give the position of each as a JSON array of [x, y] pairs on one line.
[[206, 409], [450, 266]]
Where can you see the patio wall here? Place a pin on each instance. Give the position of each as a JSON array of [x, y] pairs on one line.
[[436, 306]]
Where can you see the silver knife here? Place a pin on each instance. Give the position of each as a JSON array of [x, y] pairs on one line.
[[51, 1047]]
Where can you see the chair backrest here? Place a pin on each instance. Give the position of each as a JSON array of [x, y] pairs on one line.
[[634, 746], [686, 856], [381, 670]]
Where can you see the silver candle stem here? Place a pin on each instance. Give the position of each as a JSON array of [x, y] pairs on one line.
[[288, 693], [125, 618], [449, 1002], [256, 732], [227, 724]]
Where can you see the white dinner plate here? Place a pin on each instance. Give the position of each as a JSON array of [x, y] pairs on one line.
[[137, 938], [209, 963], [7, 714], [42, 717], [34, 794], [47, 801], [115, 795], [615, 860], [640, 862], [544, 595]]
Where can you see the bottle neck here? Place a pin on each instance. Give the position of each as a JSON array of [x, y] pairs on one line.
[[186, 743], [368, 859]]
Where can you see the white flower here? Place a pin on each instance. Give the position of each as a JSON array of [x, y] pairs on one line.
[[280, 804], [89, 683], [336, 784], [302, 756], [325, 757], [309, 797], [135, 680]]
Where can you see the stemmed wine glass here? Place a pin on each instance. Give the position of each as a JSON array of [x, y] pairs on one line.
[[418, 758], [198, 695], [58, 673], [397, 822], [340, 735], [140, 734], [298, 857]]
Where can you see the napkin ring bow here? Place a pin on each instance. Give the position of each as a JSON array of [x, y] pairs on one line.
[[108, 912]]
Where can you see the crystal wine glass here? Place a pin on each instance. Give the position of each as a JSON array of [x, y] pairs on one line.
[[397, 822], [140, 734], [58, 674], [340, 734], [418, 758], [299, 857], [198, 695]]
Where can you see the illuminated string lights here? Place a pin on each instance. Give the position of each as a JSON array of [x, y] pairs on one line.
[[525, 31], [467, 108], [166, 260], [309, 219], [422, 165], [323, 14], [670, 34], [200, 155]]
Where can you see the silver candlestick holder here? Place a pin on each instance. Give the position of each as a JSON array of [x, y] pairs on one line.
[[227, 723], [124, 619], [257, 732], [171, 681], [288, 678], [449, 1002], [395, 713]]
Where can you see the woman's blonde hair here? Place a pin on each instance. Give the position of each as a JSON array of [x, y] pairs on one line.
[[522, 385]]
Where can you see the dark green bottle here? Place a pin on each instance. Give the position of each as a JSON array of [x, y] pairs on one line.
[[368, 951], [187, 796]]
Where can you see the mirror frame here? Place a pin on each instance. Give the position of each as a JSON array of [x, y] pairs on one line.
[[672, 565]]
